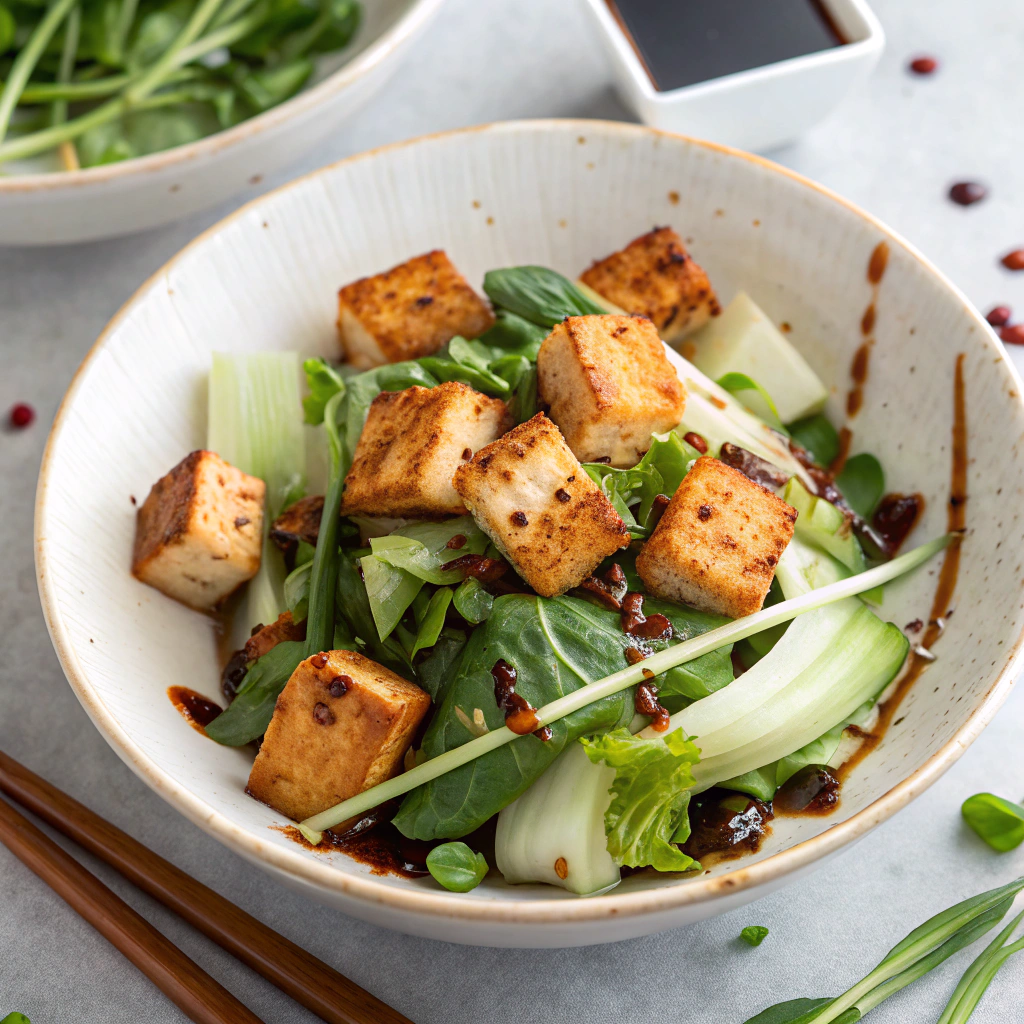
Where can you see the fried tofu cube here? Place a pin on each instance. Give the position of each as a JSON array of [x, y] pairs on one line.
[[609, 386], [198, 536], [530, 495], [341, 725], [718, 542], [408, 311], [412, 444], [656, 277]]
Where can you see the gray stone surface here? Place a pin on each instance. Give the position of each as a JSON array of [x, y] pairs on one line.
[[893, 148]]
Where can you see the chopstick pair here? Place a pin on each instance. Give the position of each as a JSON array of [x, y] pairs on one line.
[[299, 974]]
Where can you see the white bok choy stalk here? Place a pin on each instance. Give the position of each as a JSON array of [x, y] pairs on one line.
[[255, 423], [826, 665]]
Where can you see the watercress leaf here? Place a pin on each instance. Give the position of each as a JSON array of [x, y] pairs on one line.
[[433, 620], [650, 796], [754, 397], [999, 822], [15, 1018], [473, 602], [537, 294], [514, 335], [793, 1011], [266, 88], [324, 382], [435, 671], [754, 934], [862, 482], [456, 867], [390, 591], [146, 131], [556, 645], [523, 403], [482, 380], [422, 548], [818, 436], [249, 714], [153, 35]]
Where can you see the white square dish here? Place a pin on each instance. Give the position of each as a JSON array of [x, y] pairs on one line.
[[757, 109]]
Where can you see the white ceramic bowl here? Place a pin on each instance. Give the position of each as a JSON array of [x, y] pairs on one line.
[[557, 193], [117, 199], [758, 109]]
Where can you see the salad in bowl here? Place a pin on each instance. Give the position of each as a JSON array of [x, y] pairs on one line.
[[569, 580]]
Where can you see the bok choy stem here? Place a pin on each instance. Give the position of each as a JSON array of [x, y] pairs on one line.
[[662, 661]]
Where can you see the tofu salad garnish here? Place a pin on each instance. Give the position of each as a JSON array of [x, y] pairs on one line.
[[519, 581]]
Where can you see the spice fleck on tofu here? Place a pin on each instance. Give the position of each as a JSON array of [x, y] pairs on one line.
[[341, 725], [718, 542], [198, 535], [411, 445], [408, 312], [656, 277], [609, 386], [529, 494]]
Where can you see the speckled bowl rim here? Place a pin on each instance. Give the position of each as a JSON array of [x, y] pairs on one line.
[[367, 889], [305, 101]]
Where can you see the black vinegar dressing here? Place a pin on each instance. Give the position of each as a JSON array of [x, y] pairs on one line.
[[683, 44]]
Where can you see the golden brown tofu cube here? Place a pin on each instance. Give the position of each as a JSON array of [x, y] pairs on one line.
[[198, 536], [656, 277], [408, 311], [412, 444], [341, 725], [717, 545], [609, 385], [529, 494]]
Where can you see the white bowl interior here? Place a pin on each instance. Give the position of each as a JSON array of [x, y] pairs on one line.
[[558, 194]]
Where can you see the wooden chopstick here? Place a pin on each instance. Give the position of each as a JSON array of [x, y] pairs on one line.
[[309, 981], [188, 986]]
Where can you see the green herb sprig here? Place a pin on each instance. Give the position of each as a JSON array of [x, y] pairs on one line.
[[999, 822]]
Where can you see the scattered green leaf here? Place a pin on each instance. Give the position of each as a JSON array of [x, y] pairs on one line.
[[862, 482], [818, 436], [456, 867], [999, 822], [754, 934]]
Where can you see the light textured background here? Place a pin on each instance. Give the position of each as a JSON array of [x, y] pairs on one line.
[[893, 148]]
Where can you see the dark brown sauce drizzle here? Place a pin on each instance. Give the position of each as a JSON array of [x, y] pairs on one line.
[[520, 714], [487, 570], [812, 790], [726, 825], [193, 707], [895, 517], [956, 517], [379, 845], [862, 358]]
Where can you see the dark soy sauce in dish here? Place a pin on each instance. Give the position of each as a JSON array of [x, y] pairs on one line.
[[696, 41]]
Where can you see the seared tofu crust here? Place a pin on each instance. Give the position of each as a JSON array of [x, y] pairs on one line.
[[298, 522], [341, 724], [408, 312], [717, 545], [529, 494], [656, 277], [609, 386], [410, 447], [198, 536]]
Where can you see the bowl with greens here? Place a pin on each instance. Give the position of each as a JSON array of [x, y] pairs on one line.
[[119, 115], [505, 570]]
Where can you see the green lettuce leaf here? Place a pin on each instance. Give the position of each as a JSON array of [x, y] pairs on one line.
[[650, 797]]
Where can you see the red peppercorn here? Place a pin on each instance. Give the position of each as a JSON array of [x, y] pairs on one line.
[[965, 193], [924, 65], [1012, 334], [1014, 260], [999, 316], [22, 415]]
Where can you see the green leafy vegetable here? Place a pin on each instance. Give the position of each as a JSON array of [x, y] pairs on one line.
[[979, 975], [922, 950], [650, 797], [324, 382], [740, 383], [537, 294], [473, 602], [818, 436], [456, 867], [422, 548], [391, 591], [249, 714], [436, 670], [999, 822], [600, 694], [15, 1018], [433, 620], [754, 934], [296, 591], [862, 482]]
